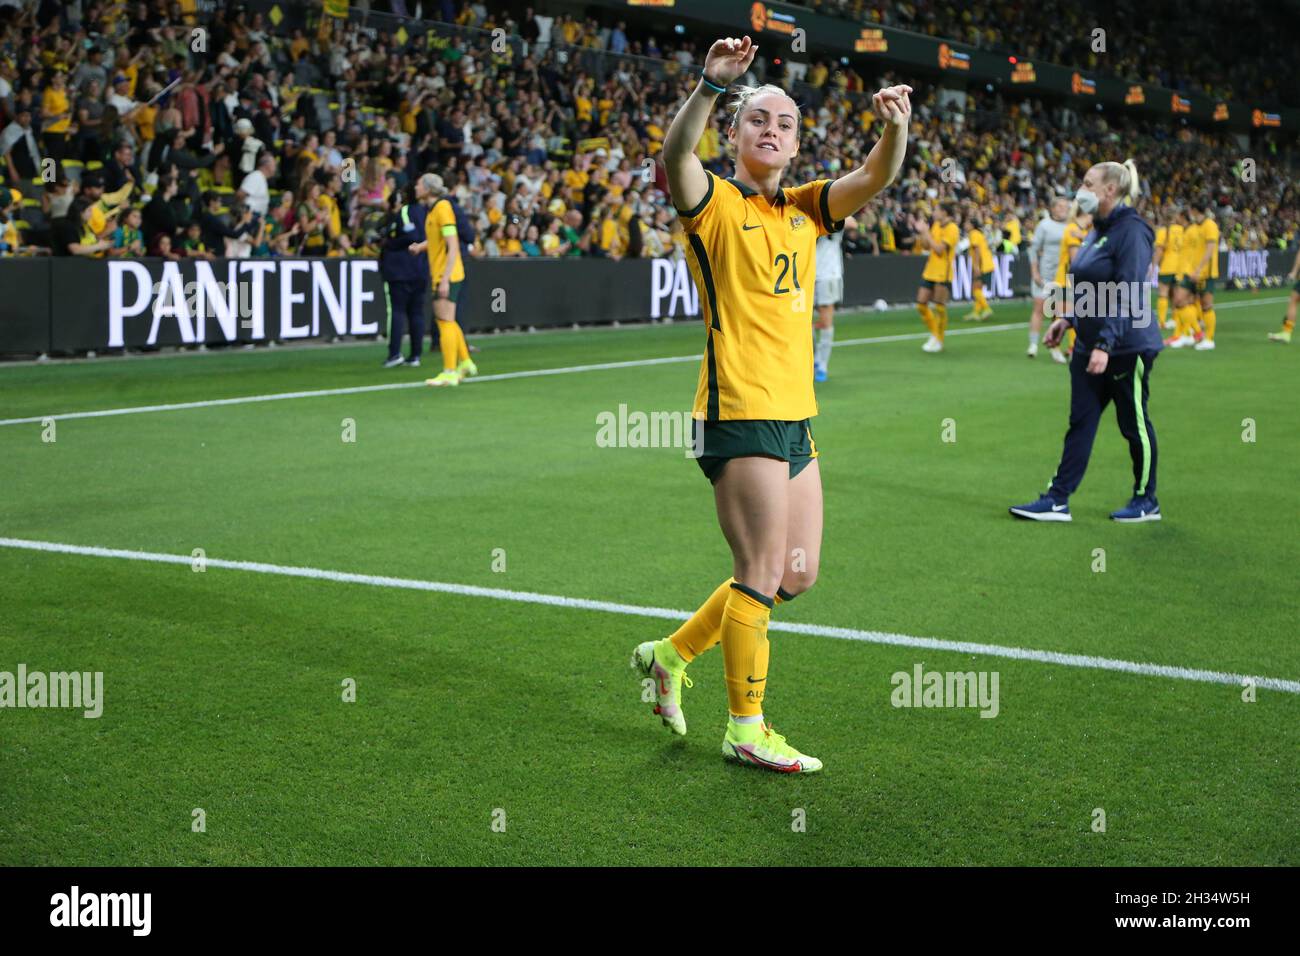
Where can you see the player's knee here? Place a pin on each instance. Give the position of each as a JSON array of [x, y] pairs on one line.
[[797, 582], [763, 575]]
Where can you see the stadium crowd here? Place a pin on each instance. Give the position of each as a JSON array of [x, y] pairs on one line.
[[282, 142]]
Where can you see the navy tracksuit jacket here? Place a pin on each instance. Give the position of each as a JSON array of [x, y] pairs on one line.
[[407, 277]]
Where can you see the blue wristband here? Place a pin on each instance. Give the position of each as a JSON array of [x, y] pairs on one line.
[[713, 86]]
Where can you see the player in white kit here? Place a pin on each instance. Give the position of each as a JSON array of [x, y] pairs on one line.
[[828, 292], [1044, 254]]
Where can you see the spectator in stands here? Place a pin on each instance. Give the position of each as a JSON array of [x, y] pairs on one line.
[[255, 189], [18, 147]]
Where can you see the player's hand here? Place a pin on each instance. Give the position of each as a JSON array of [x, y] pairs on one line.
[[1055, 332], [1098, 361], [729, 58], [893, 105], [444, 289]]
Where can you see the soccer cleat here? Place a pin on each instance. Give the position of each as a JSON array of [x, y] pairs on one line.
[[466, 368], [1205, 345], [1045, 508], [932, 344], [394, 361], [819, 374], [1181, 342], [1138, 509], [1033, 350], [668, 684], [1284, 336], [443, 378], [1059, 357], [758, 745]]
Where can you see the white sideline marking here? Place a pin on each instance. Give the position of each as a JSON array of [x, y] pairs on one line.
[[503, 376], [500, 377], [555, 600]]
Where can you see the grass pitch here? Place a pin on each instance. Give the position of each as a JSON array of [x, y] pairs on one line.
[[223, 688]]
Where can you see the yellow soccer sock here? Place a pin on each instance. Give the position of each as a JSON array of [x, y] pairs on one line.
[[940, 320], [1189, 319], [1288, 324], [745, 649], [926, 316], [1068, 341], [1162, 309], [981, 303], [1194, 318], [448, 332], [462, 347], [704, 628], [1211, 320]]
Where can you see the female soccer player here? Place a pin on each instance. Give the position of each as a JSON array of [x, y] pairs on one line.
[[1288, 322], [752, 246], [1119, 339], [447, 272], [936, 278], [1044, 256], [981, 257]]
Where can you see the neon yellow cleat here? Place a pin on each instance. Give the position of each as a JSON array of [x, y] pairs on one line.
[[760, 746], [467, 368], [444, 378], [1284, 336], [658, 661]]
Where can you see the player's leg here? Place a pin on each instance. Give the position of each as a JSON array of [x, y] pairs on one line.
[[1208, 317], [1288, 323], [939, 309], [1035, 323], [753, 499], [444, 316], [465, 366], [923, 295], [824, 324], [1162, 303]]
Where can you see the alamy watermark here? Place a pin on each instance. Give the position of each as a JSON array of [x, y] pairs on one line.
[[922, 688], [75, 689], [660, 429]]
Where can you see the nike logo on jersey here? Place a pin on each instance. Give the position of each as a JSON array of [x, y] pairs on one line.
[[747, 228]]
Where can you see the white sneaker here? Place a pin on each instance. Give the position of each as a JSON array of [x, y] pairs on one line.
[[932, 344], [1182, 342], [1033, 349], [1205, 345], [1059, 357]]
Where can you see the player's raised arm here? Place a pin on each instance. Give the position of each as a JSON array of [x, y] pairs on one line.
[[854, 190], [727, 60]]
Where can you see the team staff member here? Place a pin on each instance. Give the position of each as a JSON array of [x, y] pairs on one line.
[[1116, 350], [752, 252], [406, 278], [447, 272], [936, 279], [1288, 323], [1203, 269], [1044, 256]]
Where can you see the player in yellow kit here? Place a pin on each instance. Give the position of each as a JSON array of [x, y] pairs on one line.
[[1283, 335], [1076, 230], [751, 248], [981, 257], [1167, 251], [1187, 304], [1202, 269], [941, 240], [447, 272]]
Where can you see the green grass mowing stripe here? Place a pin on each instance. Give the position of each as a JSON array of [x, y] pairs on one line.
[[529, 597]]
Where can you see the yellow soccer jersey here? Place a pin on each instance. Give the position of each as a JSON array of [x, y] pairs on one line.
[[1071, 239], [754, 263], [1210, 235], [981, 255], [1193, 246], [1161, 243], [938, 268], [1172, 261], [439, 230]]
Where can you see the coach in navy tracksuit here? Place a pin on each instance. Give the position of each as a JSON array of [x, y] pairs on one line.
[[407, 276], [1117, 343]]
